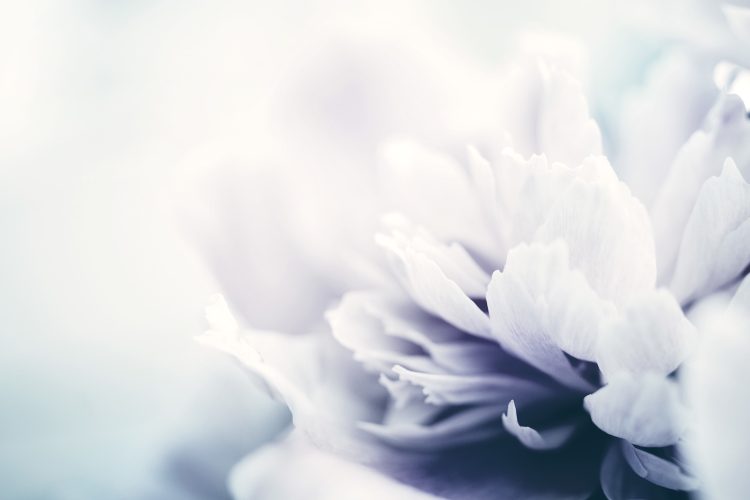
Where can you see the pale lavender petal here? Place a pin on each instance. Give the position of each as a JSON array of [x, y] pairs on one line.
[[609, 237], [656, 119], [547, 439], [726, 133], [531, 307], [650, 335], [658, 470], [714, 247], [294, 468], [446, 388], [466, 426], [433, 290], [544, 111], [620, 482], [432, 189], [644, 410]]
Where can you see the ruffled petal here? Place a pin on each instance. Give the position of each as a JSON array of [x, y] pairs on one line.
[[650, 335], [428, 285], [445, 388], [714, 248], [726, 133], [537, 304], [609, 238], [643, 410], [435, 191], [545, 111]]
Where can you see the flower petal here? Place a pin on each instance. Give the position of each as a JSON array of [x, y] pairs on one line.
[[650, 335], [325, 389], [726, 133], [296, 469], [715, 382], [739, 20], [465, 426], [445, 388], [548, 439], [714, 247], [434, 191], [657, 470], [545, 112], [643, 410], [620, 482], [433, 290], [608, 235], [537, 305]]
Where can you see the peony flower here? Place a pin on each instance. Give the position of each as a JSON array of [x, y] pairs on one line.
[[523, 338]]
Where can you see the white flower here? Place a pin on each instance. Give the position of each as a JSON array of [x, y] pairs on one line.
[[524, 303]]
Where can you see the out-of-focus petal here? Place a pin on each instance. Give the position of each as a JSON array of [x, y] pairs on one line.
[[435, 191], [547, 439], [715, 382], [470, 425], [544, 111], [656, 120], [294, 469], [714, 247], [644, 410], [650, 335], [739, 20], [316, 378]]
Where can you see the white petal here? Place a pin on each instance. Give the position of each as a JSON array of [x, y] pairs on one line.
[[714, 247], [715, 382], [650, 335], [643, 410], [609, 237], [325, 389], [726, 134], [435, 191], [433, 290], [654, 121], [531, 438], [545, 112], [294, 469], [658, 470], [536, 305], [739, 20], [452, 258], [399, 317]]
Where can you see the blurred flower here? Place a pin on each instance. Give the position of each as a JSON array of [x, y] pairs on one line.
[[521, 333], [713, 378]]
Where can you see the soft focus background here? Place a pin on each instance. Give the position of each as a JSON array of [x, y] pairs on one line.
[[110, 111]]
